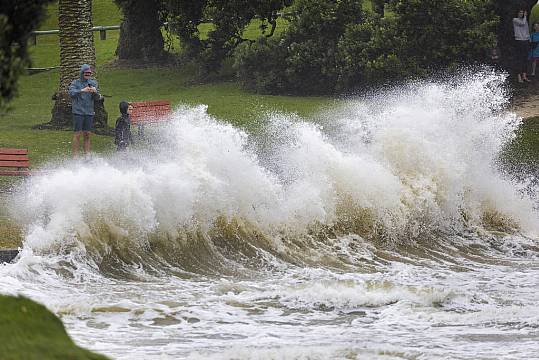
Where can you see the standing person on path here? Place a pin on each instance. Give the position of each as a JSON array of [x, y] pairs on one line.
[[522, 38], [122, 130], [534, 41], [83, 92]]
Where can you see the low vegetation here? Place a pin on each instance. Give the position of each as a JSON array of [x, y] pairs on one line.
[[29, 331]]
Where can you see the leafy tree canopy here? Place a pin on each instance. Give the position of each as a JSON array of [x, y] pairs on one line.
[[332, 45], [229, 18], [18, 18]]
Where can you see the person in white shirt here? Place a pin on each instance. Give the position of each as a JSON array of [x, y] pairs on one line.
[[522, 38]]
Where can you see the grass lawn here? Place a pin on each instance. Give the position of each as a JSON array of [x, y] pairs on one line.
[[524, 149], [225, 101]]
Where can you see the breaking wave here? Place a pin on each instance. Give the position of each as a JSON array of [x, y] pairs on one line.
[[403, 167]]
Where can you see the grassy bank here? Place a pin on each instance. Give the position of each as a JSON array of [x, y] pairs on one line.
[[29, 331], [523, 151]]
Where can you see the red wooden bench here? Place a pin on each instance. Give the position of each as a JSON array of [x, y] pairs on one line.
[[149, 112], [14, 162]]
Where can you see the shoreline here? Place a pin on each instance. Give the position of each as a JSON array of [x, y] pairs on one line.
[[8, 255], [525, 99], [524, 103]]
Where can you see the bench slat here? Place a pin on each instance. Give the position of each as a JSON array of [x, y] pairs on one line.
[[14, 162], [137, 104], [146, 109], [148, 120], [12, 151], [17, 164], [149, 112], [5, 157], [15, 172]]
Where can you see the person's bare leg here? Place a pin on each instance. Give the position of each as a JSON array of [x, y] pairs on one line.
[[87, 144], [76, 143]]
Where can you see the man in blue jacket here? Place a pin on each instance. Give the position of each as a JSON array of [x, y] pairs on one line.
[[83, 92]]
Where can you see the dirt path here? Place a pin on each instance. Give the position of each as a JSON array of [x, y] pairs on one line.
[[527, 107], [525, 102]]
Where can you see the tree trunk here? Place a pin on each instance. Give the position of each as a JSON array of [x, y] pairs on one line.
[[76, 48], [378, 6], [140, 31]]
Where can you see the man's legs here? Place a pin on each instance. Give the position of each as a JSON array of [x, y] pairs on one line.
[[86, 128], [76, 143], [86, 135], [77, 128]]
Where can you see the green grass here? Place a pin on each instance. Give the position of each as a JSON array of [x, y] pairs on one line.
[[524, 149], [29, 331]]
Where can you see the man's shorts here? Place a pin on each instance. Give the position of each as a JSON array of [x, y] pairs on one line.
[[82, 122]]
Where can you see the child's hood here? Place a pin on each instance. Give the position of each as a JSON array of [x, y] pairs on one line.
[[124, 105]]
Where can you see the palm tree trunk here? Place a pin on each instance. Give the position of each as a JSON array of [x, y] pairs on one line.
[[76, 48]]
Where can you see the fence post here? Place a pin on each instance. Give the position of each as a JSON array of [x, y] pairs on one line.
[[103, 34]]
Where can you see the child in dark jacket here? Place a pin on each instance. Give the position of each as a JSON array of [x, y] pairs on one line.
[[122, 130]]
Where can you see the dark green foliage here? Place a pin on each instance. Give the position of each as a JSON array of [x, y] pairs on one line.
[[331, 46], [304, 59], [184, 17], [378, 6], [443, 32], [421, 37], [29, 331], [17, 19], [370, 53], [260, 66], [229, 18]]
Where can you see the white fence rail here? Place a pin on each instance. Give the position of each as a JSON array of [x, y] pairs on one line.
[[102, 32]]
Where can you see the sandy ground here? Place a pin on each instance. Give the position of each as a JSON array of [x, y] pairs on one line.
[[526, 107], [525, 102]]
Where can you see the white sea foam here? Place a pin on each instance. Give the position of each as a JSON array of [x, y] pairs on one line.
[[416, 159]]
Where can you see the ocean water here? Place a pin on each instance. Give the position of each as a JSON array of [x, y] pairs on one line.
[[384, 227]]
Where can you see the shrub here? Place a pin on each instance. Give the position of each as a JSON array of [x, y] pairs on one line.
[[370, 53], [259, 66], [17, 19], [306, 62], [332, 46]]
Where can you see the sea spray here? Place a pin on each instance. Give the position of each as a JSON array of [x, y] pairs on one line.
[[408, 163]]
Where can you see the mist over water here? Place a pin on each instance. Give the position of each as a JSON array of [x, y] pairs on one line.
[[381, 228]]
